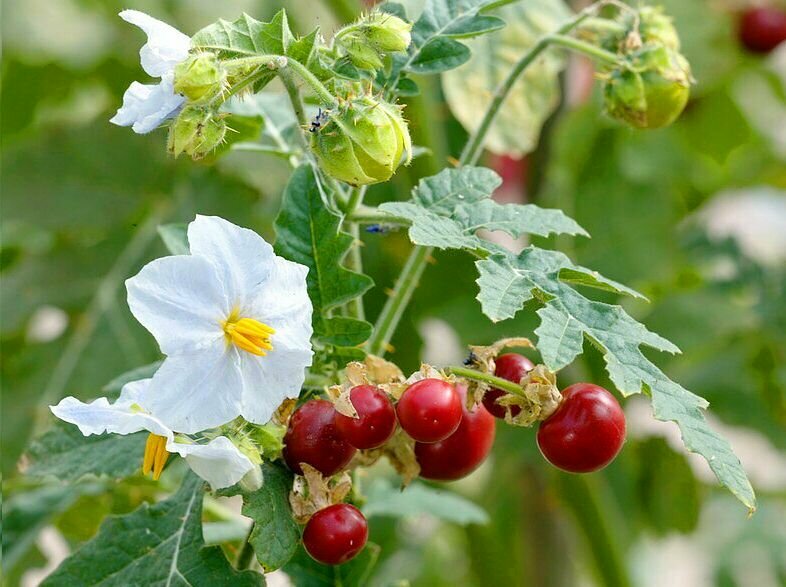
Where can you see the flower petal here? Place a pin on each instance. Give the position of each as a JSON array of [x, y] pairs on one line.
[[166, 46], [282, 302], [145, 107], [269, 380], [198, 390], [241, 256], [181, 301], [100, 416], [219, 462]]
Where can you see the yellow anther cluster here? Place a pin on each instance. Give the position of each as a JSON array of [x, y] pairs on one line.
[[156, 455], [250, 335]]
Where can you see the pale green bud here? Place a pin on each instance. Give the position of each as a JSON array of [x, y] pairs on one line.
[[650, 90], [196, 132], [200, 78], [362, 142], [361, 53], [647, 25], [386, 32]]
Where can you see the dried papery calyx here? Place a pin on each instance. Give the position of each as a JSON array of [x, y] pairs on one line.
[[312, 492], [362, 141]]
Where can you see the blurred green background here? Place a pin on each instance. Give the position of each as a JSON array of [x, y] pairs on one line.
[[693, 215]]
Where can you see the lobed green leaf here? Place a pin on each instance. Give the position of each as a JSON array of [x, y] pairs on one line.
[[154, 545]]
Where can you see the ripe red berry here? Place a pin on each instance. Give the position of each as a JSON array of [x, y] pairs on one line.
[[762, 29], [463, 451], [586, 432], [335, 534], [429, 410], [312, 438], [512, 367], [376, 421]]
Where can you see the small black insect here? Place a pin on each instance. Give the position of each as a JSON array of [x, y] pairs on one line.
[[320, 119], [471, 359]]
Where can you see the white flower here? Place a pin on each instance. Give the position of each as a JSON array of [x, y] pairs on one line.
[[145, 107], [233, 319], [219, 462]]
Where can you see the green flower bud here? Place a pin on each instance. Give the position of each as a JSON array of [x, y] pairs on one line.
[[648, 25], [386, 32], [650, 90], [200, 78], [361, 53], [196, 132], [362, 142]]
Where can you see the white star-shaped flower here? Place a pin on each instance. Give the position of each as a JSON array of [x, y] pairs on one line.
[[145, 107], [233, 319], [219, 462]]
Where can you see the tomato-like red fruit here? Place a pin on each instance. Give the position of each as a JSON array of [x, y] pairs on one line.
[[312, 438], [463, 451], [586, 432], [335, 534], [429, 410], [762, 29], [512, 367], [376, 421]]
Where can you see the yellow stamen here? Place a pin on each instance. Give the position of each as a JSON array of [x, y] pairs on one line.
[[161, 458], [150, 453], [248, 334]]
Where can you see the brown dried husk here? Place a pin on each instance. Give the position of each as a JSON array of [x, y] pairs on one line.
[[312, 492]]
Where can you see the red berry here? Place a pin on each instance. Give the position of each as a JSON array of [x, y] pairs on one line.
[[335, 534], [463, 451], [312, 438], [762, 29], [512, 367], [376, 421], [429, 410], [586, 432]]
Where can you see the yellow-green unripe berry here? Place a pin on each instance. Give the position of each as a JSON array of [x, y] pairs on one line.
[[200, 78], [650, 90], [362, 142], [196, 132], [387, 32]]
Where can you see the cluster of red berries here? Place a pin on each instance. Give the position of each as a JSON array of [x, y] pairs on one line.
[[584, 434]]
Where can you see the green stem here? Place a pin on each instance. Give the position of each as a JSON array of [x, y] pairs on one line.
[[413, 269], [370, 215], [294, 97], [397, 302], [246, 556], [355, 258], [588, 49], [492, 380]]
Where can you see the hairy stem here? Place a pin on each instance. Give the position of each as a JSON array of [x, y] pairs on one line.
[[245, 557], [413, 269], [355, 259]]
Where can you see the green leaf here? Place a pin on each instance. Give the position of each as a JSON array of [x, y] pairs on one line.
[[383, 499], [536, 94], [434, 48], [306, 572], [63, 452], [276, 535], [449, 208], [568, 318], [175, 237], [308, 233], [154, 545], [143, 372]]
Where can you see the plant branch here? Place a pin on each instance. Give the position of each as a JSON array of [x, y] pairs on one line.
[[245, 557], [492, 380]]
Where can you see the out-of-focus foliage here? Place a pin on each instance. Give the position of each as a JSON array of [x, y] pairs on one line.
[[82, 201]]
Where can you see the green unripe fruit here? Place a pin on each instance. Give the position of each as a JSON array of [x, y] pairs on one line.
[[362, 142], [360, 52], [650, 90], [386, 32], [196, 132], [200, 78]]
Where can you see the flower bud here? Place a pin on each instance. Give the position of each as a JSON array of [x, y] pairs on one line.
[[196, 132], [386, 32], [650, 89], [363, 141], [200, 78], [361, 53], [656, 27]]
